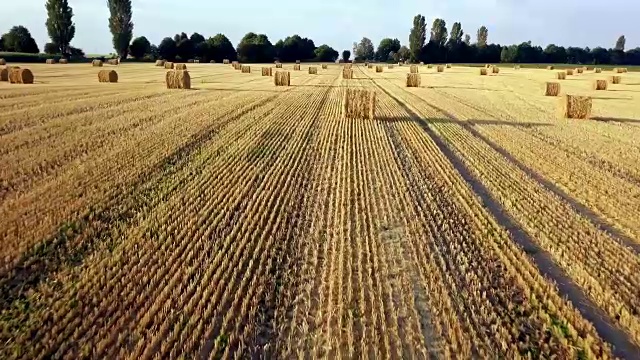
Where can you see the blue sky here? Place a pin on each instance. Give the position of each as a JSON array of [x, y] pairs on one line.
[[339, 23]]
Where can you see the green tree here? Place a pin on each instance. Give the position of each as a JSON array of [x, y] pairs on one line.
[[255, 48], [365, 50], [140, 47], [404, 54], [19, 39], [220, 48], [620, 43], [555, 54], [385, 48], [417, 37], [294, 48], [60, 26], [439, 32], [483, 36], [167, 50], [346, 55], [1, 43], [326, 53], [467, 39], [51, 48], [455, 37], [197, 38], [121, 25]]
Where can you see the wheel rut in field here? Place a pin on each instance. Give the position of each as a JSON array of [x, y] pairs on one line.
[[623, 347]]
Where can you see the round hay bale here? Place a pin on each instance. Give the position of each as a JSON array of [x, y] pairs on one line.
[[97, 63], [313, 70], [569, 71], [107, 76], [562, 75], [168, 65], [282, 78], [20, 76], [278, 66], [413, 69], [245, 69], [178, 79], [4, 74], [600, 84], [616, 79], [483, 71], [550, 67], [575, 107], [495, 70], [212, 62], [324, 66], [552, 89], [190, 61], [3, 62], [160, 63], [413, 80], [51, 61], [64, 61], [297, 66]]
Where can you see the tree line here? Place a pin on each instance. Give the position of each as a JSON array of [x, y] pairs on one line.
[[443, 46]]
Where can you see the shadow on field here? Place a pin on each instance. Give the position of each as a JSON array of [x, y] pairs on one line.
[[471, 122], [464, 88], [619, 120], [232, 90], [611, 98]]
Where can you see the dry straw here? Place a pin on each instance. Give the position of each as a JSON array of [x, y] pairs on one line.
[[378, 68], [4, 73], [579, 70], [113, 62], [569, 71], [483, 71], [562, 75], [237, 66], [550, 67], [3, 62], [180, 66], [616, 79], [347, 73], [51, 61], [359, 104], [178, 79], [600, 84], [597, 70], [20, 76], [160, 63], [278, 66], [107, 76], [413, 69], [97, 63], [413, 80], [282, 78], [552, 89], [245, 69], [348, 66], [429, 66], [440, 68], [64, 61], [575, 107], [448, 66], [495, 70], [169, 65], [225, 61], [267, 71], [313, 70], [296, 67]]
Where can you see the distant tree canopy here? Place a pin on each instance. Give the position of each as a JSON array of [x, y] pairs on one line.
[[364, 50], [140, 47], [255, 48], [387, 49], [294, 48], [19, 39], [346, 55], [326, 53]]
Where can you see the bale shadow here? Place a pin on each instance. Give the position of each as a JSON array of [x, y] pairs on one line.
[[619, 120], [472, 122], [611, 98], [464, 88], [232, 90]]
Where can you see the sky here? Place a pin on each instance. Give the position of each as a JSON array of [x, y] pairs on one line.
[[339, 23]]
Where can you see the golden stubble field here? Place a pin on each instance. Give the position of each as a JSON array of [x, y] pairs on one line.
[[240, 219]]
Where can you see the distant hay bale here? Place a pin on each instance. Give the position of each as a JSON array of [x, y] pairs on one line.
[[313, 70], [3, 62], [597, 70], [107, 76], [440, 68], [51, 61], [495, 70], [390, 66], [267, 71], [413, 69], [196, 61], [180, 66], [20, 76], [618, 70], [625, 70], [178, 79], [347, 73], [212, 62], [296, 67], [616, 79], [359, 104], [169, 65], [487, 66], [378, 68], [160, 63], [298, 62], [282, 78], [448, 66], [369, 66], [562, 75], [236, 66], [579, 70], [429, 66], [413, 80], [483, 71], [569, 71], [278, 66], [245, 69], [225, 61], [421, 63], [600, 85], [550, 67], [190, 61], [64, 61], [517, 67], [113, 62], [97, 63], [575, 107], [4, 72], [552, 89], [324, 66]]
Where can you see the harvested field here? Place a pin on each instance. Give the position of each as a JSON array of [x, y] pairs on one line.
[[247, 220]]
